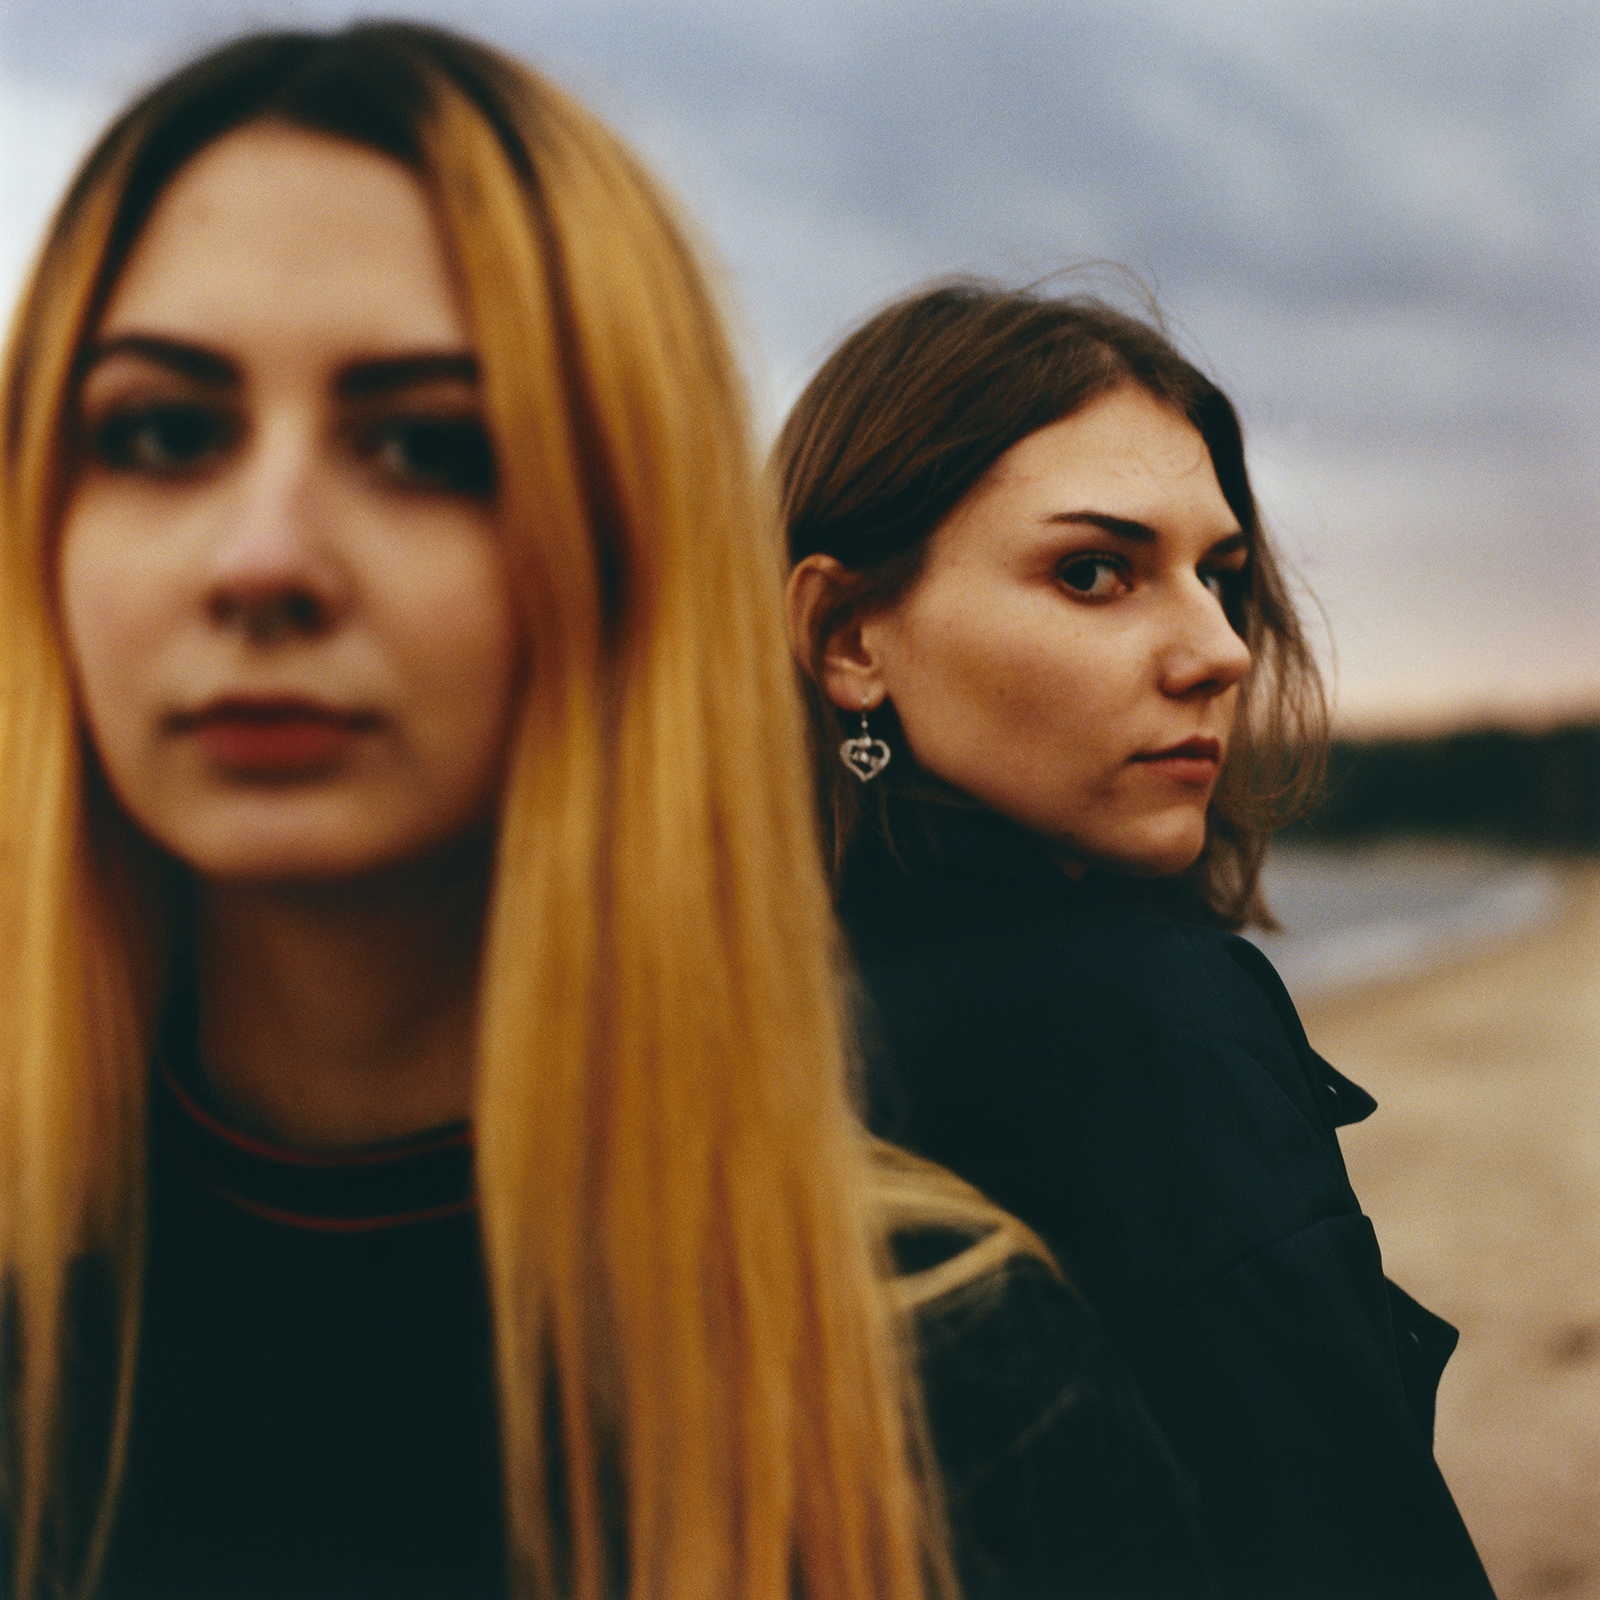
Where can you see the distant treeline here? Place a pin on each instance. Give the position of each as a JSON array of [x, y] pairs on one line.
[[1535, 789]]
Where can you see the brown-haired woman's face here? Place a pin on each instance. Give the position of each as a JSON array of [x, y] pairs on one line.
[[282, 586], [1066, 655]]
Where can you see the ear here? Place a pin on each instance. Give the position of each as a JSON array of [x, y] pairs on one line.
[[850, 668]]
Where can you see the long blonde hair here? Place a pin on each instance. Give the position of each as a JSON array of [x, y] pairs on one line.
[[684, 1227]]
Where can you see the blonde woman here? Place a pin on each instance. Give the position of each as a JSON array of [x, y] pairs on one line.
[[425, 1166]]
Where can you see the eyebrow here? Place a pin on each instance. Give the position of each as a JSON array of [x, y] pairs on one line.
[[360, 380], [364, 379], [1139, 532], [187, 360]]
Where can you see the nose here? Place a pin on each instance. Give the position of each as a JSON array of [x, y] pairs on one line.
[[1203, 656], [275, 571]]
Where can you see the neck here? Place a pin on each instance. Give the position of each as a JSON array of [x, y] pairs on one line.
[[344, 1014]]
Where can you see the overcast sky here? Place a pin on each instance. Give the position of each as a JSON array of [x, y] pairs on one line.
[[1378, 225]]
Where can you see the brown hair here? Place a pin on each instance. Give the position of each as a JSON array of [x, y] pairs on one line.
[[903, 421], [683, 1223]]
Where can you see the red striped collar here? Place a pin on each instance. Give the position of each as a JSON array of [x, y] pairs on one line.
[[411, 1181]]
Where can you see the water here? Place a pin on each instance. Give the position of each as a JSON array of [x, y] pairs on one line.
[[1355, 914]]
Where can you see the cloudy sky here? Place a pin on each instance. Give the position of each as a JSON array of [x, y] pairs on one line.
[[1377, 224]]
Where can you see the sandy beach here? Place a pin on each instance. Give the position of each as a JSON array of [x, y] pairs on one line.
[[1481, 1171]]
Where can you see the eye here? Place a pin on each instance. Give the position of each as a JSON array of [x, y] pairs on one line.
[[1231, 586], [1093, 577], [168, 439], [439, 455]]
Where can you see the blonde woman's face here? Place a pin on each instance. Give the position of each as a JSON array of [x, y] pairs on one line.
[[282, 587]]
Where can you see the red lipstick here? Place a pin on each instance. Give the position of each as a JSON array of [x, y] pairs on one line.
[[1194, 761], [276, 736]]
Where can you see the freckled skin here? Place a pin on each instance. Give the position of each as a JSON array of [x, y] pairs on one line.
[[289, 258], [1033, 659]]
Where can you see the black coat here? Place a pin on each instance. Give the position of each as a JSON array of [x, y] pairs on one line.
[[1142, 1093]]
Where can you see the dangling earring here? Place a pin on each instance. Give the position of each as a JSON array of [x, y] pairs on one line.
[[864, 755]]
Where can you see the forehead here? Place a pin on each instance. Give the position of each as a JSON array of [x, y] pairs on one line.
[[1124, 443], [273, 224], [1125, 456]]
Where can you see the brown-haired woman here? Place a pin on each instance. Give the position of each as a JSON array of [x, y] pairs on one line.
[[1044, 629], [425, 1164]]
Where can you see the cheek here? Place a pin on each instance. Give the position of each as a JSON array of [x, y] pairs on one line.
[[466, 647], [1019, 672], [480, 622], [106, 624], [946, 658]]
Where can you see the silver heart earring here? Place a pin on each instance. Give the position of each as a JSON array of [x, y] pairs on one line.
[[864, 755]]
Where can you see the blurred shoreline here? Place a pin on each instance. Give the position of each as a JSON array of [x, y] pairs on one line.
[[1481, 1172], [1353, 914]]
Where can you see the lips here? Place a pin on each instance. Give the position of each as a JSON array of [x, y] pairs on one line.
[[1193, 761], [280, 736]]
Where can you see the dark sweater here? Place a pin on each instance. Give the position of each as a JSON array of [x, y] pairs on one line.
[[315, 1417], [315, 1414], [1142, 1093]]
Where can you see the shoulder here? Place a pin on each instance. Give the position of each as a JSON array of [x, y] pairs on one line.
[[988, 954], [1057, 1480], [981, 909], [1137, 1089]]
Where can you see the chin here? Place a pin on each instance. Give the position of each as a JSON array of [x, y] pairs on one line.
[[281, 868], [284, 860], [268, 838], [1165, 856]]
